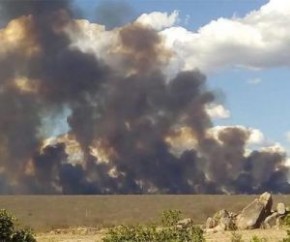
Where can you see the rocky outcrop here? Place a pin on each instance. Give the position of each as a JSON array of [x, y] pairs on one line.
[[253, 215], [271, 221], [221, 221], [184, 223], [210, 223], [257, 214], [281, 208]]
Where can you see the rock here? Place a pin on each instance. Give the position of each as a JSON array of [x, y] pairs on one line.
[[226, 223], [210, 223], [281, 208], [184, 223], [220, 214], [270, 221], [255, 213], [223, 220]]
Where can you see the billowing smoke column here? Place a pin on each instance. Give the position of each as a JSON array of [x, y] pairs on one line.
[[127, 118]]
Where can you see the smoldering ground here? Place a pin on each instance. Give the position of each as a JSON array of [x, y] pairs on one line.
[[125, 118]]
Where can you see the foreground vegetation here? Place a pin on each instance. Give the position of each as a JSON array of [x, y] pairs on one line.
[[238, 237], [67, 215], [173, 229], [9, 232], [168, 230]]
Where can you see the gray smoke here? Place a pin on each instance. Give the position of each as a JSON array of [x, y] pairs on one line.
[[129, 116]]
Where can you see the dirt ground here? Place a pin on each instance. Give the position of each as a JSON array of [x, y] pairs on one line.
[[87, 235], [271, 235], [81, 234]]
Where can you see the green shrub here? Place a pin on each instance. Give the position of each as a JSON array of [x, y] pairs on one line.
[[170, 217], [8, 232], [6, 225], [23, 235], [167, 231], [286, 220]]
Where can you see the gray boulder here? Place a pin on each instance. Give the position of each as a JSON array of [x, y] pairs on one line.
[[255, 213], [222, 220], [227, 223], [210, 223], [184, 223], [271, 221], [281, 208]]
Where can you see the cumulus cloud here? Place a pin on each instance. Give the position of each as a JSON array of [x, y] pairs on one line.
[[158, 20], [217, 111], [256, 137], [258, 40]]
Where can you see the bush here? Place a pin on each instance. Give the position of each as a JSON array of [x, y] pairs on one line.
[[6, 225], [9, 233], [170, 217], [167, 231], [286, 220], [23, 235]]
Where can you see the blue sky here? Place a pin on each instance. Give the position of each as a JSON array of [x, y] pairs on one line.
[[200, 11], [255, 97], [263, 105]]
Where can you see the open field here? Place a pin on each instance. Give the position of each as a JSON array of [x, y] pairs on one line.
[[46, 213]]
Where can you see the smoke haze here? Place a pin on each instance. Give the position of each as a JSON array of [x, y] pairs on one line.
[[132, 128]]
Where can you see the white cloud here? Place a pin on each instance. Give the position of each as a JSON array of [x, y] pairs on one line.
[[217, 111], [274, 148], [256, 137], [158, 20], [93, 38], [255, 81], [258, 40]]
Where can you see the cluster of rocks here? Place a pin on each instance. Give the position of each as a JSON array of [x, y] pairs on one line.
[[257, 214]]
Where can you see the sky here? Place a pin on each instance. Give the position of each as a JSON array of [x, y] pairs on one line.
[[254, 94]]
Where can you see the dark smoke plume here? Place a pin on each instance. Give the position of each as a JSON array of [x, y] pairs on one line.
[[123, 124]]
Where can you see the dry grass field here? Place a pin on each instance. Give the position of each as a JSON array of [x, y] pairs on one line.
[[46, 213], [73, 235]]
